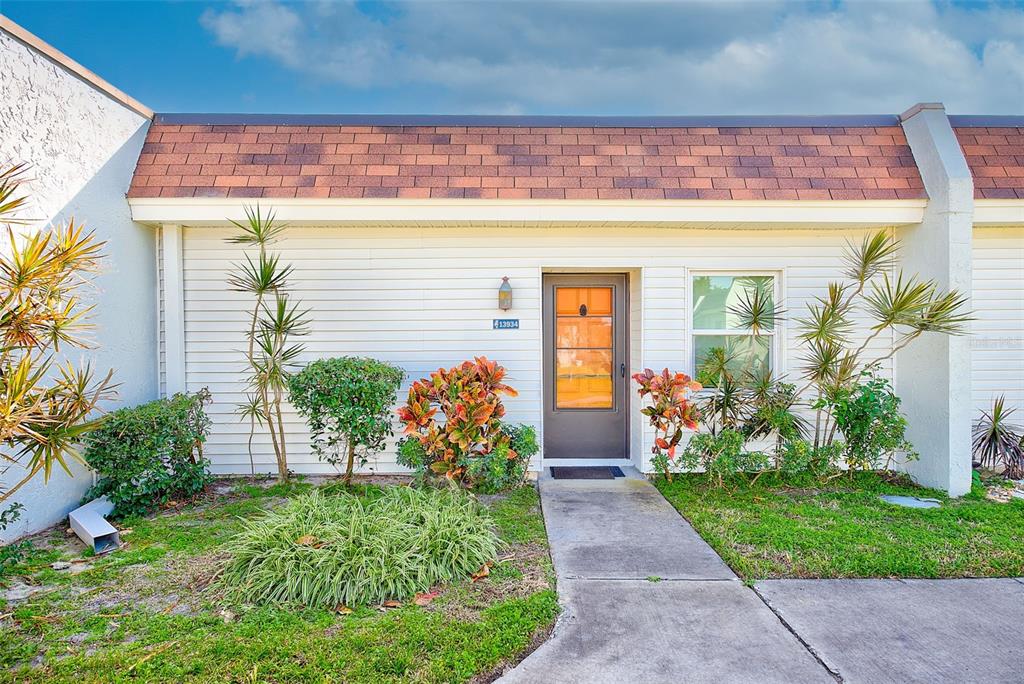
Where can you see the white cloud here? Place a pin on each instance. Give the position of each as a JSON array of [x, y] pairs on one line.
[[641, 57]]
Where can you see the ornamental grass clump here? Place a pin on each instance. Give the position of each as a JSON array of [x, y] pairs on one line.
[[325, 549]]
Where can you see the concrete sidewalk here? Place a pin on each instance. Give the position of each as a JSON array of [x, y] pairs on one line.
[[953, 630], [647, 600]]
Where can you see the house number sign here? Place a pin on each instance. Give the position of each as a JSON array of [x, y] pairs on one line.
[[506, 324]]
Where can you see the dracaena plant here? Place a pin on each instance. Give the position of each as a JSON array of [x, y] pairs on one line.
[[468, 396], [897, 304], [670, 412], [46, 405], [996, 442], [273, 321]]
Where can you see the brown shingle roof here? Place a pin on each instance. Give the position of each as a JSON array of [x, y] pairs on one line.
[[773, 163], [996, 159]]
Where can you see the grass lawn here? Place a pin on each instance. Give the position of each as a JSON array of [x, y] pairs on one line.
[[842, 529], [152, 611]]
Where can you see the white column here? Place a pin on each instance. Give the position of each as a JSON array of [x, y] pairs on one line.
[[933, 374], [174, 309]]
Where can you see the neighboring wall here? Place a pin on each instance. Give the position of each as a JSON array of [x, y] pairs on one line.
[[934, 372], [425, 297], [997, 344], [82, 146]]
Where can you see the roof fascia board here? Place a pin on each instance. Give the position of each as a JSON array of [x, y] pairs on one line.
[[58, 57], [807, 213], [999, 212]]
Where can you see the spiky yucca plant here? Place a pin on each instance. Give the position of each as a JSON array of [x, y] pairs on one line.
[[901, 305], [273, 321], [46, 405], [996, 442]]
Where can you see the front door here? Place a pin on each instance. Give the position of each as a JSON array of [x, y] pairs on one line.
[[586, 404]]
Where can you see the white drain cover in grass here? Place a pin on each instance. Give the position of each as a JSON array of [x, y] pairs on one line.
[[910, 501]]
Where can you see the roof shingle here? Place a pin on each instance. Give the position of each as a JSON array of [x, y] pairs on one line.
[[496, 162], [996, 159]]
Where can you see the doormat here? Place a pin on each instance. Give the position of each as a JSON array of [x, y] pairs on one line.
[[586, 472]]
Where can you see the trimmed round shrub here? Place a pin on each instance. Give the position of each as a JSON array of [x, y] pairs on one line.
[[324, 549], [347, 403]]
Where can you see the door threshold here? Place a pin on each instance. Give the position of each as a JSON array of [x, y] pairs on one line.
[[562, 462]]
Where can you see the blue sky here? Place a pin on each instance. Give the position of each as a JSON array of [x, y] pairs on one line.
[[607, 57]]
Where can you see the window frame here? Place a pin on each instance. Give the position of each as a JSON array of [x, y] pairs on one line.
[[776, 357]]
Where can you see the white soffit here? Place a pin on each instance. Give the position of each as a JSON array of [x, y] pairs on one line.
[[998, 212], [449, 212]]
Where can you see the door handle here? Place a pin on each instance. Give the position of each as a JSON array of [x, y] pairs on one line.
[[622, 369]]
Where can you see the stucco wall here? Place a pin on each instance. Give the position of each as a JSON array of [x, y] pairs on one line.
[[82, 146], [932, 373]]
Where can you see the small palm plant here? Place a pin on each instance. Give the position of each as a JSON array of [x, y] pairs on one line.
[[996, 442], [904, 306], [46, 406], [273, 321]]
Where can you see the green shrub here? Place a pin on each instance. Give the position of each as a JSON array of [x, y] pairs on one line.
[[325, 550], [11, 554], [10, 515], [798, 456], [523, 439], [502, 468], [721, 456], [413, 455], [506, 466], [346, 401], [868, 415], [148, 455]]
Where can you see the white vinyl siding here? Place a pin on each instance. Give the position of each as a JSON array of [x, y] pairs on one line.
[[425, 297], [997, 343]]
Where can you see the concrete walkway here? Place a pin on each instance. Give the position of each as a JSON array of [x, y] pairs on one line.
[[645, 599], [953, 630]]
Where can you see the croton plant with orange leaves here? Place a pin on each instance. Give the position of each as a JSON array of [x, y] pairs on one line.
[[670, 412], [469, 398]]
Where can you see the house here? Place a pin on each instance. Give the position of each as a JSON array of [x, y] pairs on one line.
[[402, 228], [82, 138]]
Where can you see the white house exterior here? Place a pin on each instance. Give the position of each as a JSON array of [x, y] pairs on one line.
[[402, 228], [81, 138], [409, 273]]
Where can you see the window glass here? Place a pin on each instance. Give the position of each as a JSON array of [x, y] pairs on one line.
[[714, 295], [583, 348], [747, 354], [597, 300]]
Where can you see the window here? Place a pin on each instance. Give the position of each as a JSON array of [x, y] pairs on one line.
[[583, 348], [716, 327]]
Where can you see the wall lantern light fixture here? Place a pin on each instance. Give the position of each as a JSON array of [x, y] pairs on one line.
[[505, 295]]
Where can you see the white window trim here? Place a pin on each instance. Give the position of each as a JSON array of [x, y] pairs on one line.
[[778, 335]]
